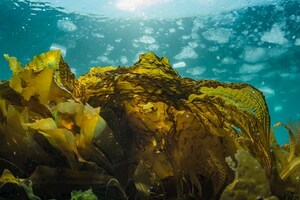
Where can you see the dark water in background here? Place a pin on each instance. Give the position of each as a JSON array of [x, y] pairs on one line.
[[258, 44]]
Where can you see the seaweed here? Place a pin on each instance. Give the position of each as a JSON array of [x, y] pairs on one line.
[[138, 132], [83, 195]]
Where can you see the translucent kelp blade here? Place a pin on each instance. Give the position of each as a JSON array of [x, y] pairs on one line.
[[290, 168], [14, 64], [50, 72], [87, 124], [64, 78], [243, 96], [292, 144], [59, 138], [244, 108], [48, 60], [25, 83], [290, 164]]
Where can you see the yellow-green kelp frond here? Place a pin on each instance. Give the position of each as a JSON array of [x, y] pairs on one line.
[[150, 64], [292, 144], [290, 166], [47, 72], [50, 59], [244, 96], [92, 78], [14, 65], [244, 108]]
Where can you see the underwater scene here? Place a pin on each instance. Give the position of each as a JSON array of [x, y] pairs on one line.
[[149, 99]]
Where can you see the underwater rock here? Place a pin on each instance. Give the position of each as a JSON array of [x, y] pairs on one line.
[[142, 124], [250, 179]]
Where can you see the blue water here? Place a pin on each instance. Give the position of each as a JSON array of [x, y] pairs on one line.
[[257, 43]]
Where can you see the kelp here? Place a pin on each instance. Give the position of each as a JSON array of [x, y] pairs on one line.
[[173, 116], [86, 195], [288, 160], [141, 131]]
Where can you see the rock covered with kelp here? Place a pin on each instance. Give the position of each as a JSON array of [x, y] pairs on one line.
[[137, 132]]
